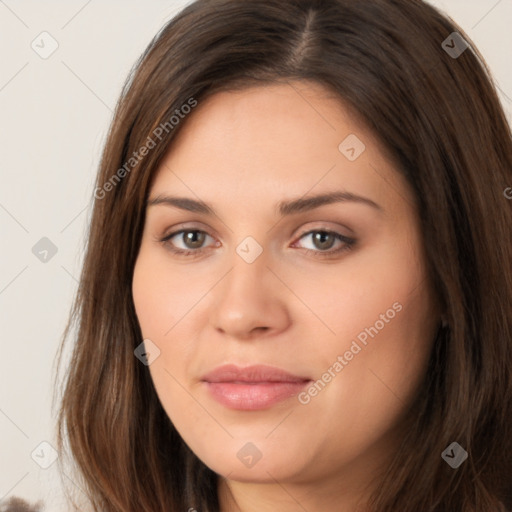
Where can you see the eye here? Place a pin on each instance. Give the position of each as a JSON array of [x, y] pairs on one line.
[[192, 241], [323, 240]]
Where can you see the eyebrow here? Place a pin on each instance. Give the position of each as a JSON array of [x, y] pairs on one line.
[[284, 208]]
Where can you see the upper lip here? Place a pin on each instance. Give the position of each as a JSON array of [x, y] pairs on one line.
[[254, 373]]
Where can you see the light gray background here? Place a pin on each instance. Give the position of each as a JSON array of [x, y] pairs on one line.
[[54, 117]]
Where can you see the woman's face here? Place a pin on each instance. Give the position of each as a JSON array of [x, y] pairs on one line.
[[333, 292]]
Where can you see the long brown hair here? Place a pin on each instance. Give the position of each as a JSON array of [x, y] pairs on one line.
[[438, 115]]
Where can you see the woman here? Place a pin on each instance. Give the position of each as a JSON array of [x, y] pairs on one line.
[[334, 330]]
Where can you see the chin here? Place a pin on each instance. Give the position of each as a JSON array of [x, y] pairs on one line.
[[274, 466]]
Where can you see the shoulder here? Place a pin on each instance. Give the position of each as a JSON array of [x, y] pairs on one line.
[[16, 504]]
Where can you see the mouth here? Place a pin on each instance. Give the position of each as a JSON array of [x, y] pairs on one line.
[[252, 388]]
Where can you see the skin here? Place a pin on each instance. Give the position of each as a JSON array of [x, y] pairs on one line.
[[243, 152]]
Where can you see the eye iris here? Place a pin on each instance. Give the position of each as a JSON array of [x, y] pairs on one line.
[[196, 238], [320, 236]]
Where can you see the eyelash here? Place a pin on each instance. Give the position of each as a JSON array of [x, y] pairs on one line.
[[348, 243]]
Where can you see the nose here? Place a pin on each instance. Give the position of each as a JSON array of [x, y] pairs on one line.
[[250, 301]]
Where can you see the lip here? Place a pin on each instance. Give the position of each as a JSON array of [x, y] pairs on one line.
[[253, 387]]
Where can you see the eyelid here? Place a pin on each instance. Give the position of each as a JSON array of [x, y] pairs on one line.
[[324, 227], [184, 226]]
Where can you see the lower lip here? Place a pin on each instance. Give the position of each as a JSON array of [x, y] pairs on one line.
[[253, 397]]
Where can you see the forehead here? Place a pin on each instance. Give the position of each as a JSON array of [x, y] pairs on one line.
[[279, 139], [283, 116]]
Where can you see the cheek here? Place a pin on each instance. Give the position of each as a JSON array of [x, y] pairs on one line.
[[164, 303], [365, 395], [364, 292], [146, 288], [384, 320], [158, 310], [161, 298]]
